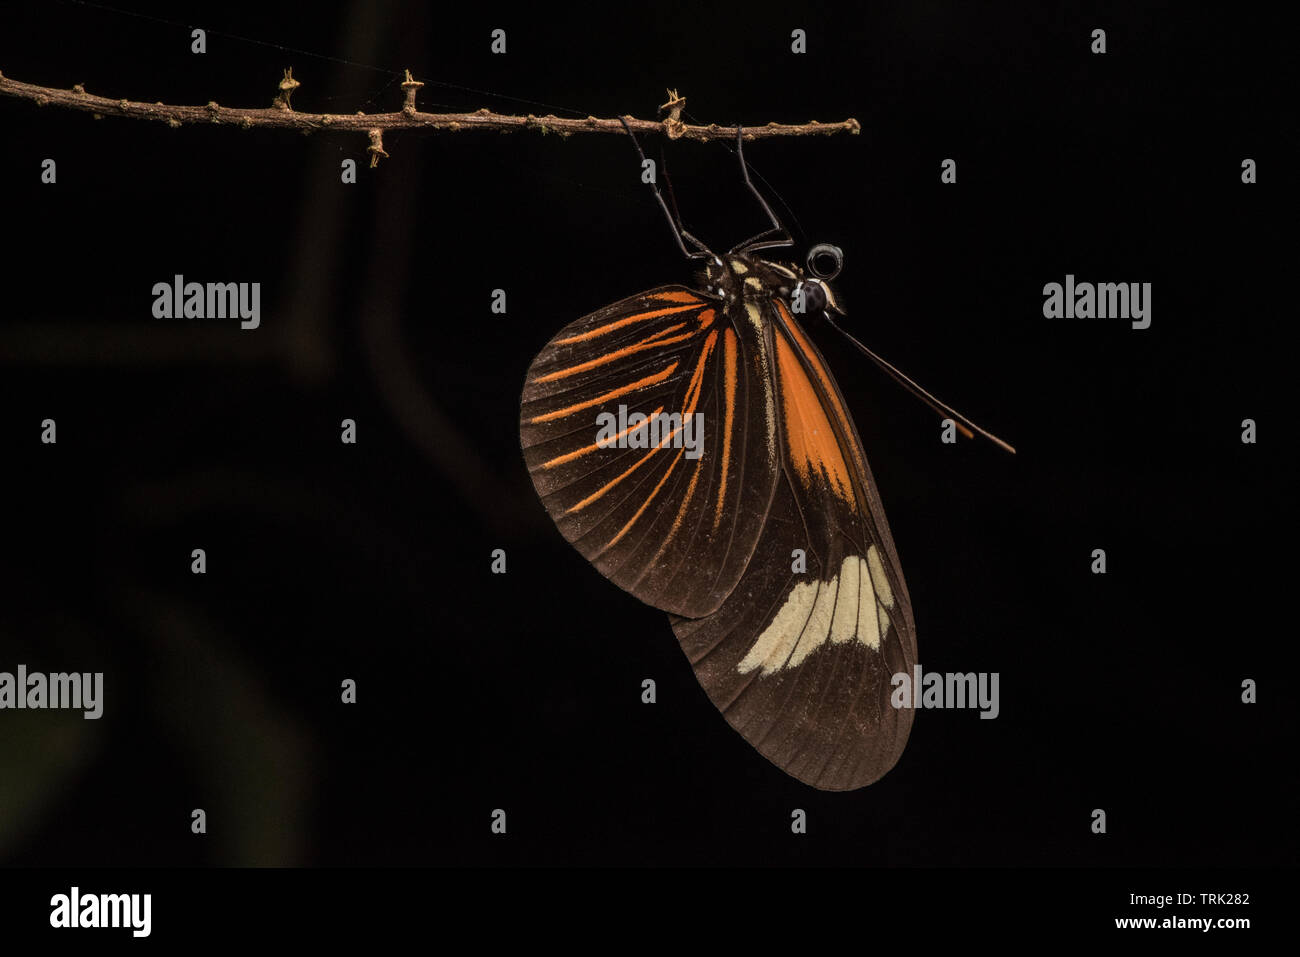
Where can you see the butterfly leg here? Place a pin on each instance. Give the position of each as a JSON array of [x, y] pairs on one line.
[[681, 235], [778, 228]]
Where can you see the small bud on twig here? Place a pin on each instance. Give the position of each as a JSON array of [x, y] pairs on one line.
[[287, 86]]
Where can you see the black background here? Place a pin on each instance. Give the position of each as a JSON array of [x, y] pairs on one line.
[[522, 691]]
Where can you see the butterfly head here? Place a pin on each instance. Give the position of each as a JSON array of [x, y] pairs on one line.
[[814, 288]]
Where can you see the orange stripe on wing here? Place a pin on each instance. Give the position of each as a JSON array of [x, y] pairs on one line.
[[650, 342], [646, 504], [625, 321], [688, 408], [828, 385], [678, 295], [681, 514], [595, 445], [810, 439], [697, 378], [609, 485], [612, 394]]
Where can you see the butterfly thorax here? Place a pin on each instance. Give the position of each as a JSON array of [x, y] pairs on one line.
[[749, 278]]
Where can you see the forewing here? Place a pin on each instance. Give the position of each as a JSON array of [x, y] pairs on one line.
[[673, 524], [800, 657]]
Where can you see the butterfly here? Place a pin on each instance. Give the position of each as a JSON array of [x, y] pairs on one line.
[[692, 444]]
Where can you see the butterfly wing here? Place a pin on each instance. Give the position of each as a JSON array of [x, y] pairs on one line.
[[675, 526], [800, 656], [769, 550]]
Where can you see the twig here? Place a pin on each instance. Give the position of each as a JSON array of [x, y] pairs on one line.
[[282, 116]]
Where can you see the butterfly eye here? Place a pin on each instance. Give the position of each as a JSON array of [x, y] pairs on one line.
[[825, 260], [814, 297]]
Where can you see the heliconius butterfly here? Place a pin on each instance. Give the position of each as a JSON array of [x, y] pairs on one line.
[[769, 548]]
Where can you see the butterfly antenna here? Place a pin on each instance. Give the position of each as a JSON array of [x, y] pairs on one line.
[[681, 235], [964, 425]]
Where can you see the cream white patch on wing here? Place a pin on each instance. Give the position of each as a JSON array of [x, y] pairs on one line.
[[773, 646], [845, 623], [878, 579], [818, 627], [869, 632], [846, 606]]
